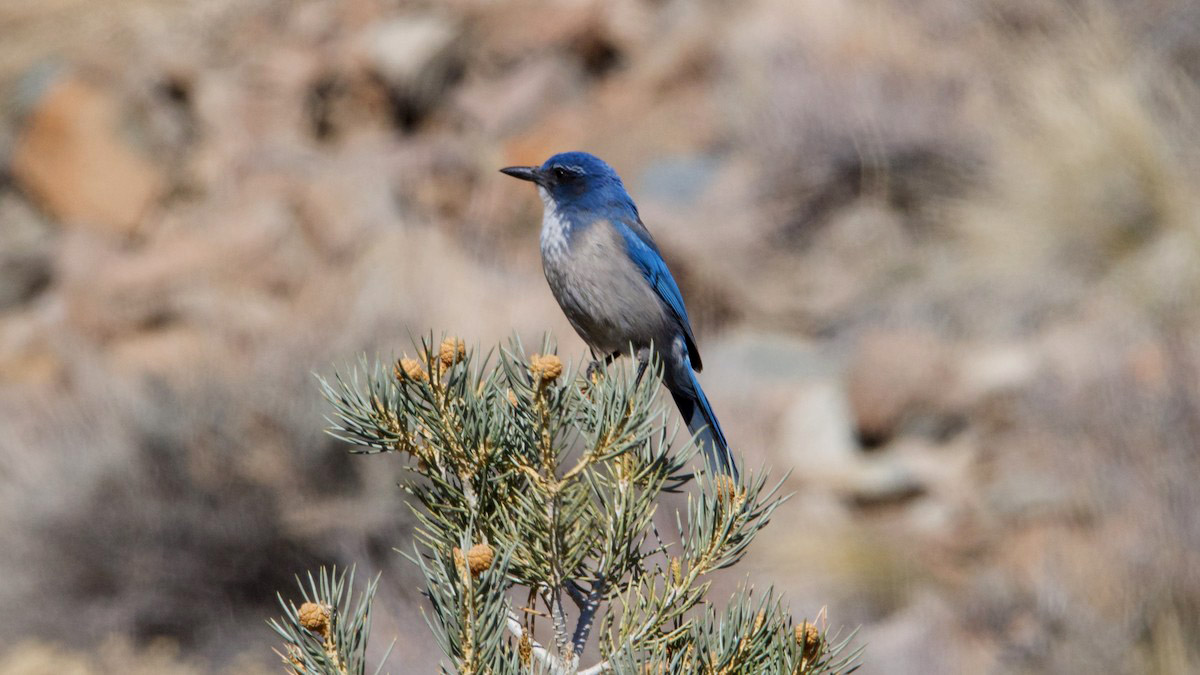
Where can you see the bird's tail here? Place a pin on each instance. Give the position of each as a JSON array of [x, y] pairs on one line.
[[701, 421]]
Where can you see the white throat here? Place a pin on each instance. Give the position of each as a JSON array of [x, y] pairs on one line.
[[554, 228]]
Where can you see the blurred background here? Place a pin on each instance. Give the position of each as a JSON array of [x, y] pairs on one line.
[[943, 258]]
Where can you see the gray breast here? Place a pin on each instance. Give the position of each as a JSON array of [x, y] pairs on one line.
[[602, 292]]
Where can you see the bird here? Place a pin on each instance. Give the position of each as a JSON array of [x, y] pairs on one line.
[[609, 277]]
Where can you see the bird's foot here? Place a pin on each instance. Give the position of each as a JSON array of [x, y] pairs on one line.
[[643, 357], [595, 369], [593, 372]]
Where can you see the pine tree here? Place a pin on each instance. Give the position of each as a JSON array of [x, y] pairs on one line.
[[536, 490]]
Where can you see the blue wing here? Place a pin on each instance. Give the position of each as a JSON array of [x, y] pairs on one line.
[[645, 254]]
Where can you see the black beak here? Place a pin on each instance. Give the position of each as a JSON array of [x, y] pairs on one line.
[[529, 173]]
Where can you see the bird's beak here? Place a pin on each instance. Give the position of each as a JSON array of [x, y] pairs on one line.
[[529, 173]]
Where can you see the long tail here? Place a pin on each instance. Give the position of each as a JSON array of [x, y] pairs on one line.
[[698, 414]]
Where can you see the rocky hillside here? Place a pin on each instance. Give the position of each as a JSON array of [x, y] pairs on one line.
[[943, 257]]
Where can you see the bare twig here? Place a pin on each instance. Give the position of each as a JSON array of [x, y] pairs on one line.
[[543, 655], [602, 667], [587, 616]]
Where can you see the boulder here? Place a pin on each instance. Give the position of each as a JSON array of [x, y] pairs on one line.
[[417, 57], [71, 158], [892, 375]]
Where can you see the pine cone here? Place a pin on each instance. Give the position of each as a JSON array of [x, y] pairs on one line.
[[410, 369], [545, 368], [451, 351], [315, 618], [479, 558]]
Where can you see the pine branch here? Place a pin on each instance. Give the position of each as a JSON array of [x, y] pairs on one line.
[[528, 480], [327, 633]]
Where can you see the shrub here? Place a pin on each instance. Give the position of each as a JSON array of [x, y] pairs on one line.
[[536, 491]]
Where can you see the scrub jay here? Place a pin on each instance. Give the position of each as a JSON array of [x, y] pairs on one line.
[[610, 279]]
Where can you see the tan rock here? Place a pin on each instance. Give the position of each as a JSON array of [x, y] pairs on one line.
[[514, 30], [514, 100], [405, 49], [174, 352], [891, 375], [71, 159], [817, 431], [418, 57]]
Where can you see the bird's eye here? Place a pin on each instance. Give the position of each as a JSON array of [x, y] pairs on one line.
[[561, 173]]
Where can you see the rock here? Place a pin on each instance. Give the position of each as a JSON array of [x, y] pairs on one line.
[[879, 482], [510, 32], [817, 436], [915, 384], [71, 159], [817, 432], [174, 352], [891, 375], [417, 57], [985, 371], [25, 251], [23, 274], [27, 353], [759, 358], [514, 100]]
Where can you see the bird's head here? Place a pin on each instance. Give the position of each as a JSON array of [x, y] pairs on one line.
[[575, 180]]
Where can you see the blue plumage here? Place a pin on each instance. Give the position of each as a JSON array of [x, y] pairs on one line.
[[611, 281], [645, 255]]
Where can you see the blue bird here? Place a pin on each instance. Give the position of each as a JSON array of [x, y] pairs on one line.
[[611, 281]]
